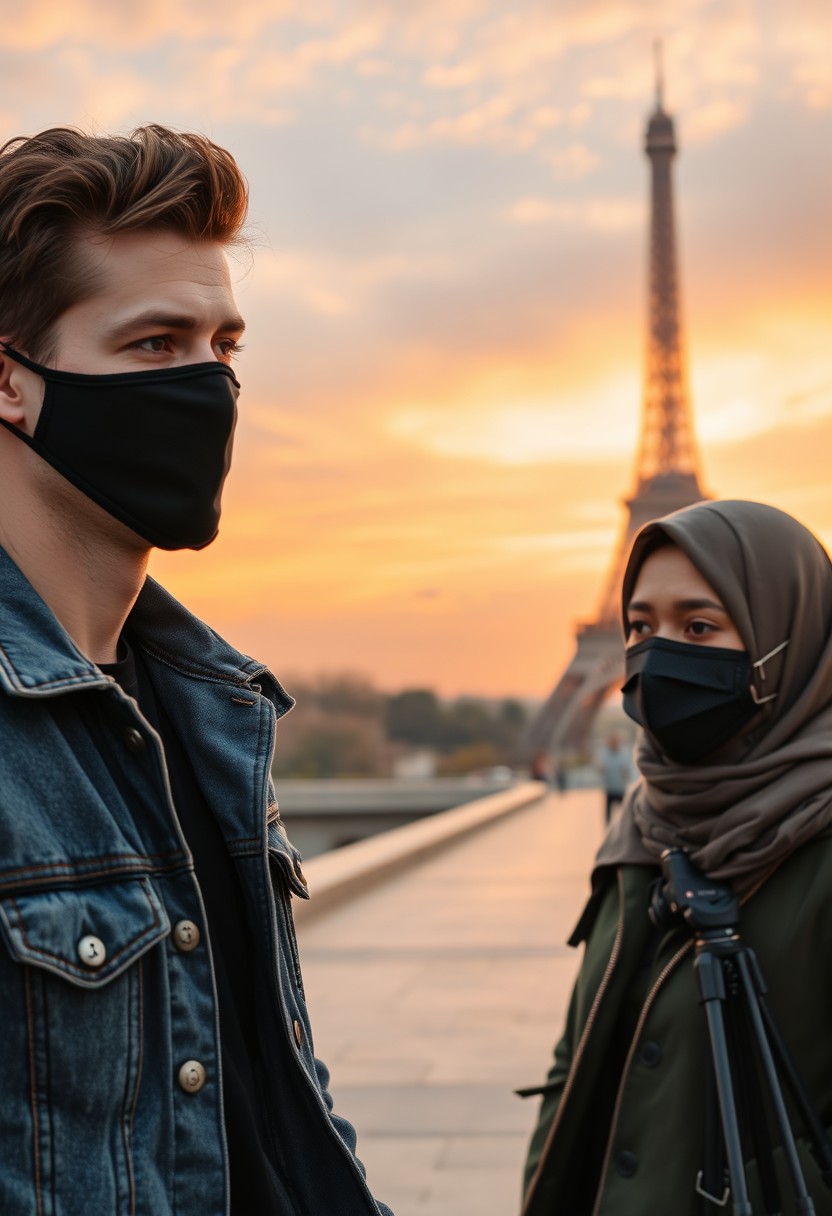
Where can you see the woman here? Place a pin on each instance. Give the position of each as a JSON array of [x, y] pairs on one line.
[[727, 610]]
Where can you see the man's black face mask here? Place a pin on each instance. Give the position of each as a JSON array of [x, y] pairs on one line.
[[152, 448], [691, 699]]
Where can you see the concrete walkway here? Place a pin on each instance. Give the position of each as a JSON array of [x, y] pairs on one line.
[[437, 993]]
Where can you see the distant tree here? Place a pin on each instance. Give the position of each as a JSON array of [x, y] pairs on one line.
[[348, 693], [342, 723], [415, 716], [512, 715], [330, 750], [468, 721]]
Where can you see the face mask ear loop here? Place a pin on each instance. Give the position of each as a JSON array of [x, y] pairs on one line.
[[760, 666]]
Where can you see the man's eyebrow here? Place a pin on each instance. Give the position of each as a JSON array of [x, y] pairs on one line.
[[685, 605], [153, 319]]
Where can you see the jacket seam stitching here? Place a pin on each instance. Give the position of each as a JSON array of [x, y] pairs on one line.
[[207, 674], [69, 869], [33, 1098]]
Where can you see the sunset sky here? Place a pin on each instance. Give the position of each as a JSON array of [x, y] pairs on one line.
[[446, 295]]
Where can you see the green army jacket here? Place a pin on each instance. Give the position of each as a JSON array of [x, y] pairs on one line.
[[622, 1118]]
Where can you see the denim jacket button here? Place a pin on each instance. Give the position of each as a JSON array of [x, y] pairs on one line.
[[186, 936], [134, 740], [92, 951], [192, 1076]]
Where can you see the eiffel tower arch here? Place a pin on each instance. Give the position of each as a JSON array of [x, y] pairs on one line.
[[667, 463]]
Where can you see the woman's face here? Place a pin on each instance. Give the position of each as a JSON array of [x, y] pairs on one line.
[[672, 600]]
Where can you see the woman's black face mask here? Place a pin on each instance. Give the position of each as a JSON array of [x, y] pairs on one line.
[[152, 448], [691, 699]]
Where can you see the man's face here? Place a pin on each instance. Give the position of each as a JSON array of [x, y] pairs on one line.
[[160, 302], [163, 301]]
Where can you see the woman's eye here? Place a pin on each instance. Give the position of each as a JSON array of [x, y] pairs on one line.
[[638, 629], [700, 629]]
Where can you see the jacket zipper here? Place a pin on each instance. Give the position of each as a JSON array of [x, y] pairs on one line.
[[651, 996], [569, 1083]]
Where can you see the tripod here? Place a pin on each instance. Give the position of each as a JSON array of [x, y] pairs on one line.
[[746, 1044]]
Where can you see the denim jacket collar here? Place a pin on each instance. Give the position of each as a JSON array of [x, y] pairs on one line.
[[38, 658]]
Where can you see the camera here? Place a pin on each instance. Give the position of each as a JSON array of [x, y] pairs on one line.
[[684, 893]]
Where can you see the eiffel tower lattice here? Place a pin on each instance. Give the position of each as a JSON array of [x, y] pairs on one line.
[[667, 475]]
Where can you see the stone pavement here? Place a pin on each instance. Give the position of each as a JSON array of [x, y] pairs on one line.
[[437, 993]]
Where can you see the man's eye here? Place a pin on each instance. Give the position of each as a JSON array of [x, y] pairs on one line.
[[229, 348], [155, 345]]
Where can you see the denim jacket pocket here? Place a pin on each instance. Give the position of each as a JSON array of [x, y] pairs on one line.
[[74, 963], [87, 936]]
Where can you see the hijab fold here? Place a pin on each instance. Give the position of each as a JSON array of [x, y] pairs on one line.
[[738, 819]]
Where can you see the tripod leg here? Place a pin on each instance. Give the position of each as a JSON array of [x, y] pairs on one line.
[[751, 1109], [712, 993], [804, 1200], [821, 1148], [710, 1182]]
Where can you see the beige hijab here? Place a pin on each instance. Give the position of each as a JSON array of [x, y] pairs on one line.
[[740, 818]]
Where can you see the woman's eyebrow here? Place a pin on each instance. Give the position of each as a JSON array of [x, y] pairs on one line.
[[686, 605], [699, 602]]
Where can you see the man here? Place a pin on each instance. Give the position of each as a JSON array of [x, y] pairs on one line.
[[617, 772], [156, 1052]]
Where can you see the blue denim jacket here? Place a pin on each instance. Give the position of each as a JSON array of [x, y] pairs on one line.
[[94, 1120]]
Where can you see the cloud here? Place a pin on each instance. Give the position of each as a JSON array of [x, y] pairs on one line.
[[484, 123], [536, 210], [572, 163], [40, 24], [707, 122], [803, 34], [374, 68], [599, 214]]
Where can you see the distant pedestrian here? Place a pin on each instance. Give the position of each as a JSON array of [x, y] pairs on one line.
[[616, 767]]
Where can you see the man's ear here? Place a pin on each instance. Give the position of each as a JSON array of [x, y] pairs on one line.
[[17, 398]]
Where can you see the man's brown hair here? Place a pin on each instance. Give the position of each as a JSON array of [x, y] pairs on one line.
[[63, 183]]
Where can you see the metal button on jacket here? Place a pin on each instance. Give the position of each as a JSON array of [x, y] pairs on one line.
[[92, 951], [134, 739], [192, 1076], [650, 1054], [186, 936], [626, 1163]]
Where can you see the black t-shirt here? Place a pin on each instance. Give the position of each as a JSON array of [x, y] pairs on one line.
[[255, 1185]]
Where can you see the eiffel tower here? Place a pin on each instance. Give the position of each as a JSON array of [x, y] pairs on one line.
[[667, 475]]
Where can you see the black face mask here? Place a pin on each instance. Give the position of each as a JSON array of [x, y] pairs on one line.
[[152, 448], [690, 699]]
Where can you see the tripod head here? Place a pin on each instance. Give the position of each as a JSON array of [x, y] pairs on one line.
[[684, 893]]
